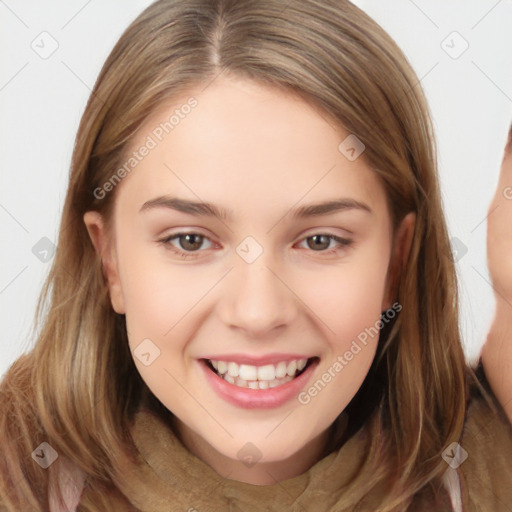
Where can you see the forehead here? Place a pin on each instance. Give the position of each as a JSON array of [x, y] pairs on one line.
[[248, 144]]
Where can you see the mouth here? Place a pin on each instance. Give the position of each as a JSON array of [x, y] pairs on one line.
[[256, 381]]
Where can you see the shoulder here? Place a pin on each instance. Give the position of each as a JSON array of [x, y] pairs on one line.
[[485, 449]]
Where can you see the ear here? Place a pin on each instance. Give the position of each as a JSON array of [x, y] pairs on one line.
[[399, 255], [106, 251]]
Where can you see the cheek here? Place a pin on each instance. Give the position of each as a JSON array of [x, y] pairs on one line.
[[348, 301], [160, 302], [348, 297], [157, 295]]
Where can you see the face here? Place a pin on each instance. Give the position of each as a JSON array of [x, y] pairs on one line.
[[267, 281]]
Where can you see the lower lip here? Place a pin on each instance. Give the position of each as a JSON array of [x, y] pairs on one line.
[[248, 398]]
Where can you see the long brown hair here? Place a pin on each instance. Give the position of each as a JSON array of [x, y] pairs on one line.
[[78, 388]]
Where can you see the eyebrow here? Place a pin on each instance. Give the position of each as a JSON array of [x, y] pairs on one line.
[[211, 210]]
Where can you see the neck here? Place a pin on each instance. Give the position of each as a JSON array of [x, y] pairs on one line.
[[261, 473]]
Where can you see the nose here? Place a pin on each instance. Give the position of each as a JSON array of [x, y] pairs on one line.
[[257, 299]]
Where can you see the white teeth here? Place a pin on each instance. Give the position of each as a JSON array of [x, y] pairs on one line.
[[281, 369], [256, 384], [267, 373], [274, 383], [222, 367], [247, 372], [292, 368], [233, 369]]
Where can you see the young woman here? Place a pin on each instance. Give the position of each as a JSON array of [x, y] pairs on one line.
[[253, 303]]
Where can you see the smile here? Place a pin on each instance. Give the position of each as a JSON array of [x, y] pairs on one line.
[[258, 377], [275, 391]]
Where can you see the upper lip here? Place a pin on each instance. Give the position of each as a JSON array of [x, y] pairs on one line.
[[257, 360]]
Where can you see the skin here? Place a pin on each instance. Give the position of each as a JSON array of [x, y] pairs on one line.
[[497, 350], [260, 153]]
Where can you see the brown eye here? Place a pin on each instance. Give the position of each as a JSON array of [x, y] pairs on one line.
[[319, 242], [190, 241], [187, 243]]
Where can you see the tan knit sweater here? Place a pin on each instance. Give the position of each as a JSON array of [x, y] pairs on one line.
[[169, 478]]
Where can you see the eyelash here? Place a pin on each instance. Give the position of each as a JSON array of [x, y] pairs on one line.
[[166, 242]]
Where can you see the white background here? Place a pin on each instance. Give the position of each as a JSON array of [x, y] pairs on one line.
[[41, 101]]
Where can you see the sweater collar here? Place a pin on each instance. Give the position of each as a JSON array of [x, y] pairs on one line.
[[167, 472]]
